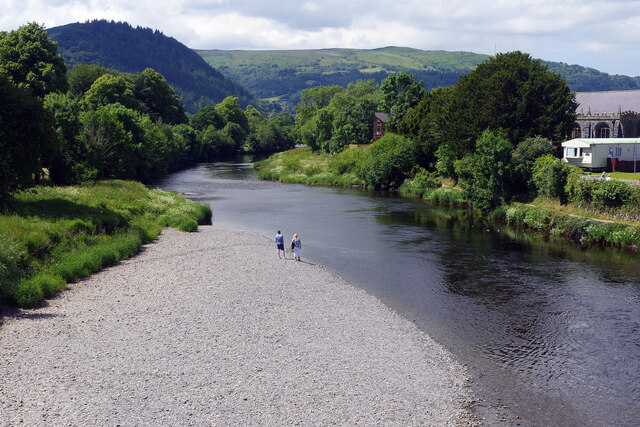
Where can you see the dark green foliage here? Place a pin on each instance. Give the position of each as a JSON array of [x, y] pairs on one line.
[[29, 60], [121, 47], [485, 175], [613, 197], [314, 99], [66, 166], [398, 94], [112, 136], [389, 162], [207, 116], [582, 79], [82, 76], [110, 89], [203, 214], [10, 258], [512, 92], [27, 142], [161, 101], [524, 158], [425, 124], [551, 176], [610, 194], [216, 143], [322, 130], [579, 229], [354, 125], [271, 135]]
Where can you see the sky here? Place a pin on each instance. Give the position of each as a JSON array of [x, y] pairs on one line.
[[600, 34]]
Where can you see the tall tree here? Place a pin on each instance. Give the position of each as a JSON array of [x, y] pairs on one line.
[[314, 99], [31, 61], [82, 76], [26, 138], [512, 92], [398, 94], [110, 89], [485, 174], [152, 89]]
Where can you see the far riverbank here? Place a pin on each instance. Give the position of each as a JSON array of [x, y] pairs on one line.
[[212, 328]]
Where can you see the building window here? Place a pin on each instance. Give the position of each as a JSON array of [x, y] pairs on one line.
[[603, 131], [574, 152], [576, 132], [618, 151]]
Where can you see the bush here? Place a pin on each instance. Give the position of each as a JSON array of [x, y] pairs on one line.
[[203, 214], [609, 194], [348, 161], [446, 196], [291, 163], [390, 160], [9, 271], [516, 214], [551, 177]]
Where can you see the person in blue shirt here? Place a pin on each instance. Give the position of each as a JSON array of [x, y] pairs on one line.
[[296, 245], [280, 244]]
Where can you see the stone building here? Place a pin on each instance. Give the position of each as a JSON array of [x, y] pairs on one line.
[[607, 114]]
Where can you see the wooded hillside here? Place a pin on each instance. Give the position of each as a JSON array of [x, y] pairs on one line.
[[282, 74], [119, 46]]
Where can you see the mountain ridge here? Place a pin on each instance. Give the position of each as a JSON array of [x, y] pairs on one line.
[[282, 74], [122, 47]]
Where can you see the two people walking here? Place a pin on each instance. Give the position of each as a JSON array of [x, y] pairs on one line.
[[296, 245]]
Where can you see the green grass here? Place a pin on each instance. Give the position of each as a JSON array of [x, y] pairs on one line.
[[52, 236], [625, 176], [567, 222], [302, 166]]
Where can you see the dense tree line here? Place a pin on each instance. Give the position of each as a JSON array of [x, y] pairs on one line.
[[119, 46], [96, 123], [485, 132]]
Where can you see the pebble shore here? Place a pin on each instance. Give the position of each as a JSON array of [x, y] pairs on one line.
[[211, 328]]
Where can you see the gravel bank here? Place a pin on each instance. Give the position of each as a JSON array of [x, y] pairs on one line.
[[211, 328]]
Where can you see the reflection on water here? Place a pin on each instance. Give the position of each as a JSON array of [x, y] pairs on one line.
[[549, 329]]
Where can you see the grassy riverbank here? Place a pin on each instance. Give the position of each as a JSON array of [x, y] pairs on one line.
[[302, 166], [585, 225], [52, 236]]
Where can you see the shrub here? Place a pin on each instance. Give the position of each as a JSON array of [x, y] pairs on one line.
[[203, 214], [312, 170], [291, 163], [516, 214], [9, 271], [348, 161], [28, 294], [446, 196], [551, 177], [390, 160], [610, 194]]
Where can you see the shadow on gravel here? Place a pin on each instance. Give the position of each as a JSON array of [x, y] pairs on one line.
[[10, 312]]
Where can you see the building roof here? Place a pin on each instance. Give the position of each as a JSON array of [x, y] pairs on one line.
[[588, 142], [607, 102], [382, 117]]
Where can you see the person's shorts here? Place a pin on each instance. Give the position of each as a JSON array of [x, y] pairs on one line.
[[280, 246]]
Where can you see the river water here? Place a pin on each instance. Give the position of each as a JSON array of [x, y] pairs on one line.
[[550, 333]]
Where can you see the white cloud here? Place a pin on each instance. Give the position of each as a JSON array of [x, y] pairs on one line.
[[593, 33], [310, 7]]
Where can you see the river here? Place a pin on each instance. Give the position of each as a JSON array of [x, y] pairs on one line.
[[549, 332]]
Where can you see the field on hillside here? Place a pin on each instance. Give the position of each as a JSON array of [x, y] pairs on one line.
[[283, 74]]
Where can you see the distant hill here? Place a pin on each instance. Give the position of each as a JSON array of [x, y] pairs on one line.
[[119, 46], [282, 74]]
